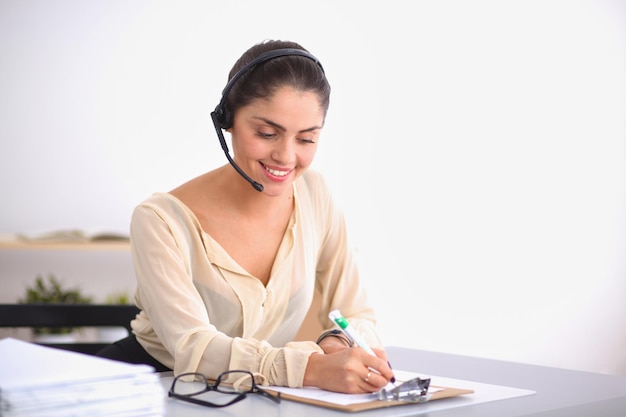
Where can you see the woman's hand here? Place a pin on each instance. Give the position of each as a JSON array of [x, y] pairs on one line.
[[348, 370]]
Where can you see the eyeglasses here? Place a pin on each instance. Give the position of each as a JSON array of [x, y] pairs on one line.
[[188, 385]]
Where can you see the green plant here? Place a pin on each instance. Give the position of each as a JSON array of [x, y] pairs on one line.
[[120, 297], [52, 292]]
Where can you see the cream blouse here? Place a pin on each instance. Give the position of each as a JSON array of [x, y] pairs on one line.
[[202, 312]]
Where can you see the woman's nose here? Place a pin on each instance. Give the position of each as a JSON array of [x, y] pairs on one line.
[[284, 150]]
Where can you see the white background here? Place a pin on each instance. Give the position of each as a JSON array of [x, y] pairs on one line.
[[477, 147]]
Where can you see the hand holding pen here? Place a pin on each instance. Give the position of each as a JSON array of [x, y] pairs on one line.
[[354, 336]]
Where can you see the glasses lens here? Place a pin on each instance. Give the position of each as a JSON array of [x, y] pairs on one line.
[[233, 382], [189, 384]]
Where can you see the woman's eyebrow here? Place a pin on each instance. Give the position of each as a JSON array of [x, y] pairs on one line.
[[282, 128]]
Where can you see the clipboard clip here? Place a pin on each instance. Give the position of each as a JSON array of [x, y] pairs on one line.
[[413, 390]]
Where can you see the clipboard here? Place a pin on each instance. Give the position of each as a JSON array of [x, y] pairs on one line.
[[361, 402]]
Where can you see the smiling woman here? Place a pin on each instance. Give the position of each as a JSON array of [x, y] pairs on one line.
[[227, 272], [279, 135], [263, 87], [487, 134]]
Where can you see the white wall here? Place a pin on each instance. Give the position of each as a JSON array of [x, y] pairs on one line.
[[478, 148]]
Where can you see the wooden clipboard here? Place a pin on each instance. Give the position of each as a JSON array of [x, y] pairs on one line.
[[442, 392]]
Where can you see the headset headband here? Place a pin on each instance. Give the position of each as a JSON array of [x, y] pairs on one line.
[[220, 111]]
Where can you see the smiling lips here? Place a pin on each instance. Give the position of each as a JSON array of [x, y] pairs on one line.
[[276, 172]]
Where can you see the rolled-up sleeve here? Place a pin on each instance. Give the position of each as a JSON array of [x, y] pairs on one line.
[[284, 366]]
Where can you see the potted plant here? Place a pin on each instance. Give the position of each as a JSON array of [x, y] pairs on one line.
[[120, 297], [51, 292]]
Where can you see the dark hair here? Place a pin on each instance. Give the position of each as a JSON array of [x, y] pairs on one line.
[[263, 80]]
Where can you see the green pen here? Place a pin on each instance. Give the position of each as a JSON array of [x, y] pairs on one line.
[[351, 334], [349, 331]]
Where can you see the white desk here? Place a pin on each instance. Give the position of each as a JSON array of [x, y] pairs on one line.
[[559, 392]]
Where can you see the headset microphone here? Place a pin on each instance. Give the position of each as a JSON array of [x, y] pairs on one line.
[[220, 135], [222, 117]]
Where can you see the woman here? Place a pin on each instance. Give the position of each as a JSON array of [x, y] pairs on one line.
[[226, 272]]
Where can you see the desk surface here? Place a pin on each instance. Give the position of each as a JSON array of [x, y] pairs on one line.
[[559, 392]]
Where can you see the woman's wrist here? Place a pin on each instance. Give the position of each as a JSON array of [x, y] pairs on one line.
[[335, 334]]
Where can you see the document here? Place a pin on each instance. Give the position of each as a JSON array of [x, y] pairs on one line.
[[441, 388], [313, 393], [37, 380]]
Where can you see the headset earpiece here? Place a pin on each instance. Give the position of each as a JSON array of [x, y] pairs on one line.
[[226, 121], [222, 116]]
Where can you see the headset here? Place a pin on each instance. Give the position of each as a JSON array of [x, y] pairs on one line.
[[223, 118]]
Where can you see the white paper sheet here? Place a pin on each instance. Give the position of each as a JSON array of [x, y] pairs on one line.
[[24, 364], [37, 380], [482, 392]]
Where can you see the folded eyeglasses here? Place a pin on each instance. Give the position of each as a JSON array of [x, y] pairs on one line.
[[187, 386]]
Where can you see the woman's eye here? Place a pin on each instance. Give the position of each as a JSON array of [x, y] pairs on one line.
[[305, 140], [266, 135]]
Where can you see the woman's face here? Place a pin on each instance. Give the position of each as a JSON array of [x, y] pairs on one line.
[[274, 140]]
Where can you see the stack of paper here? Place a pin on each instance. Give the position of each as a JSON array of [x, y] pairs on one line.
[[42, 381]]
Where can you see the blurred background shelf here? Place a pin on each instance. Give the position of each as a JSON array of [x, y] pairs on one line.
[[88, 245]]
